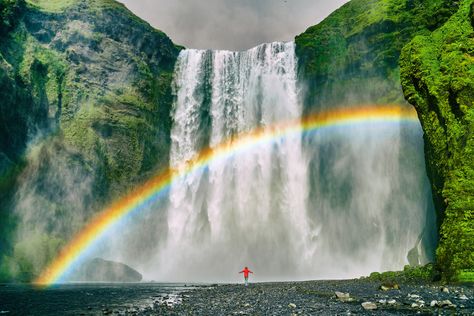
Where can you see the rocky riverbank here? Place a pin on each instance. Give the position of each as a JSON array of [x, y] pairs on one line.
[[344, 297], [322, 298]]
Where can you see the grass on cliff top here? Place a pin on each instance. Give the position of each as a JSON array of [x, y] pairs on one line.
[[52, 5], [57, 6]]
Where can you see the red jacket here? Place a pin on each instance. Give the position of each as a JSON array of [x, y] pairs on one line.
[[246, 272]]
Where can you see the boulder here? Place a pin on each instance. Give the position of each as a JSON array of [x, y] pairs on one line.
[[369, 306], [100, 270]]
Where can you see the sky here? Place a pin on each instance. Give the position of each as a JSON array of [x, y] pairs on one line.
[[231, 24]]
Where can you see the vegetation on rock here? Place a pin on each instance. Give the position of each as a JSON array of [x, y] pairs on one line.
[[390, 279], [88, 85], [437, 72], [352, 56]]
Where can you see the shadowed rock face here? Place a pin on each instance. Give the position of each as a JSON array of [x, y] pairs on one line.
[[437, 72], [100, 270]]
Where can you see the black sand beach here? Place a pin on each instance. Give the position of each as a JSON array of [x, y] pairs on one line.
[[290, 298]]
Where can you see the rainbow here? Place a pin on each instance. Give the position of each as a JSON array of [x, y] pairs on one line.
[[148, 192]]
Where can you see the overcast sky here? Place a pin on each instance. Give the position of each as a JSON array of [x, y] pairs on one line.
[[232, 24]]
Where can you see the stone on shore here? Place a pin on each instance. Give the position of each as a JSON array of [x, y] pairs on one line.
[[343, 297], [100, 270], [369, 306]]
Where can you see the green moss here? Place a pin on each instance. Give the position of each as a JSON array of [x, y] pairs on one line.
[[52, 5], [465, 276], [22, 266], [437, 77], [352, 56], [408, 275], [10, 12]]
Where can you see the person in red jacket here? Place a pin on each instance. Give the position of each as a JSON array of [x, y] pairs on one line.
[[246, 272]]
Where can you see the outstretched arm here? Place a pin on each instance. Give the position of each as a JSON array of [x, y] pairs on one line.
[[241, 271], [250, 271]]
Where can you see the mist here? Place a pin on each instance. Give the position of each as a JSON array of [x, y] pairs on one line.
[[53, 201], [232, 24], [337, 203]]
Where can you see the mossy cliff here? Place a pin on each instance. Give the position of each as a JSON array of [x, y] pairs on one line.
[[437, 72], [353, 57], [88, 86]]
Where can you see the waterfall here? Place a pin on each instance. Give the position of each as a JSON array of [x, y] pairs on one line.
[[339, 204], [250, 209]]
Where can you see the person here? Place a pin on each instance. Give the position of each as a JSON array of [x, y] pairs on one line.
[[246, 272]]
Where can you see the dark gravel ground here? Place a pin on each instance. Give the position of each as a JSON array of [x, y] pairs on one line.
[[318, 298], [291, 298]]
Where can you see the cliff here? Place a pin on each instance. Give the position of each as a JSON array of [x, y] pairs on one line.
[[353, 57], [438, 79], [86, 87]]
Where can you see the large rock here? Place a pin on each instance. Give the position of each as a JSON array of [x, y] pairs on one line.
[[100, 270]]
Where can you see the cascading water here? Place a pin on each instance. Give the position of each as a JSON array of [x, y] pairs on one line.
[[250, 209], [340, 203]]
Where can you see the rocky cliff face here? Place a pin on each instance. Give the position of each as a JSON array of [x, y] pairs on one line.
[[87, 86], [438, 79], [353, 56]]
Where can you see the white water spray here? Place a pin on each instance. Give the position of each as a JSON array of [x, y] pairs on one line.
[[332, 206], [250, 209]]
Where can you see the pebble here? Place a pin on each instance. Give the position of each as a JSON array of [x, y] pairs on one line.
[[341, 295], [369, 306], [463, 297], [389, 286], [445, 290], [383, 302], [344, 297], [446, 303], [392, 302], [434, 303], [292, 305]]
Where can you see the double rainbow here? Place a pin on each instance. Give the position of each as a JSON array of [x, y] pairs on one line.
[[154, 188]]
